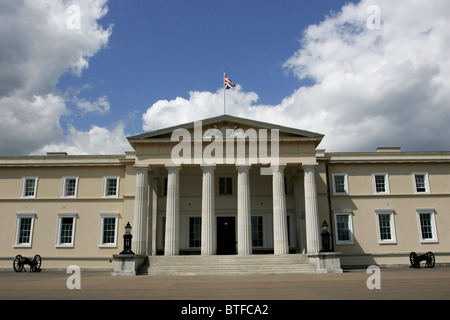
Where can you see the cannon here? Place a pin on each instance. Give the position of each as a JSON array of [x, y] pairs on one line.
[[415, 259], [20, 262]]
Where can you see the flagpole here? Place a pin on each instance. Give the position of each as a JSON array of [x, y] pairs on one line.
[[224, 89]]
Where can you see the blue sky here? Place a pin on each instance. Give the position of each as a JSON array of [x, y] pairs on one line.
[[364, 73], [165, 49]]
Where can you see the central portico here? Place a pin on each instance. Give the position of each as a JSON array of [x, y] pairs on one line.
[[226, 185]]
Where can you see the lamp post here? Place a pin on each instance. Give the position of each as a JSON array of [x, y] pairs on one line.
[[127, 240], [325, 238]]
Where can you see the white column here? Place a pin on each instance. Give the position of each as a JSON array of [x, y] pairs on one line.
[[311, 210], [140, 210], [244, 211], [208, 212], [154, 212], [280, 234], [172, 243], [299, 214]]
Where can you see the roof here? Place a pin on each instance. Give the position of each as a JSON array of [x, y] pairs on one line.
[[166, 132]]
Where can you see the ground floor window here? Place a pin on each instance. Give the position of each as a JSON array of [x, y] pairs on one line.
[[257, 231], [108, 229], [385, 226], [66, 230], [24, 230], [343, 227], [195, 232], [427, 225]]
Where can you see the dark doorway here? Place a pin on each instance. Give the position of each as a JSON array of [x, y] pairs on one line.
[[226, 235]]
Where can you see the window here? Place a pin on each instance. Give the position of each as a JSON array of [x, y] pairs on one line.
[[66, 230], [385, 226], [195, 232], [257, 231], [24, 230], [343, 227], [70, 187], [340, 183], [165, 187], [29, 186], [111, 187], [427, 225], [108, 230], [225, 186], [421, 182], [380, 183]]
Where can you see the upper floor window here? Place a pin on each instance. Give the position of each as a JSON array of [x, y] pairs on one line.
[[29, 187], [111, 187], [380, 183], [225, 186], [70, 187], [24, 230], [340, 183], [421, 182]]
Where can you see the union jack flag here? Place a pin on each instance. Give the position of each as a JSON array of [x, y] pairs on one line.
[[228, 83]]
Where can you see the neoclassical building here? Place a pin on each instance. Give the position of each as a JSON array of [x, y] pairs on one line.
[[225, 186]]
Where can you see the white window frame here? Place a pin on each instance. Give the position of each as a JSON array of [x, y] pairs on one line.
[[58, 235], [345, 183], [390, 213], [24, 179], [386, 182], [101, 244], [105, 180], [432, 213], [64, 184], [349, 215], [19, 218], [427, 184]]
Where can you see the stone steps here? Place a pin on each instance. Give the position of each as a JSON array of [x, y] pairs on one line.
[[226, 265]]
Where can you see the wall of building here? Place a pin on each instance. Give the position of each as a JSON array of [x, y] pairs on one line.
[[49, 204], [363, 203]]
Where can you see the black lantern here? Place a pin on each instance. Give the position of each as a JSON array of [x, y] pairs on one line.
[[127, 240], [325, 238]]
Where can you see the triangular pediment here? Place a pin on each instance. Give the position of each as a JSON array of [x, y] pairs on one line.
[[236, 125]]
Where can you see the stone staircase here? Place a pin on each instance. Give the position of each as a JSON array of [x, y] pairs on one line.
[[226, 265]]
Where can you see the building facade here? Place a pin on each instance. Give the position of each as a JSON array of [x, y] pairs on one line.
[[225, 185]]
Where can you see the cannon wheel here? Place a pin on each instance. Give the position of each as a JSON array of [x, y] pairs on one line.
[[17, 264], [413, 259], [36, 267], [430, 260]]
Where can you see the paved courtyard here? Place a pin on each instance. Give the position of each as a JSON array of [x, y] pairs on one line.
[[395, 283], [226, 297]]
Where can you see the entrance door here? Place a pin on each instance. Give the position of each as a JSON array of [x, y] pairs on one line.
[[226, 235]]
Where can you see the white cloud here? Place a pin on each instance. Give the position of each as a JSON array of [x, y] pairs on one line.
[[97, 140], [37, 48], [373, 87], [101, 105], [200, 105]]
